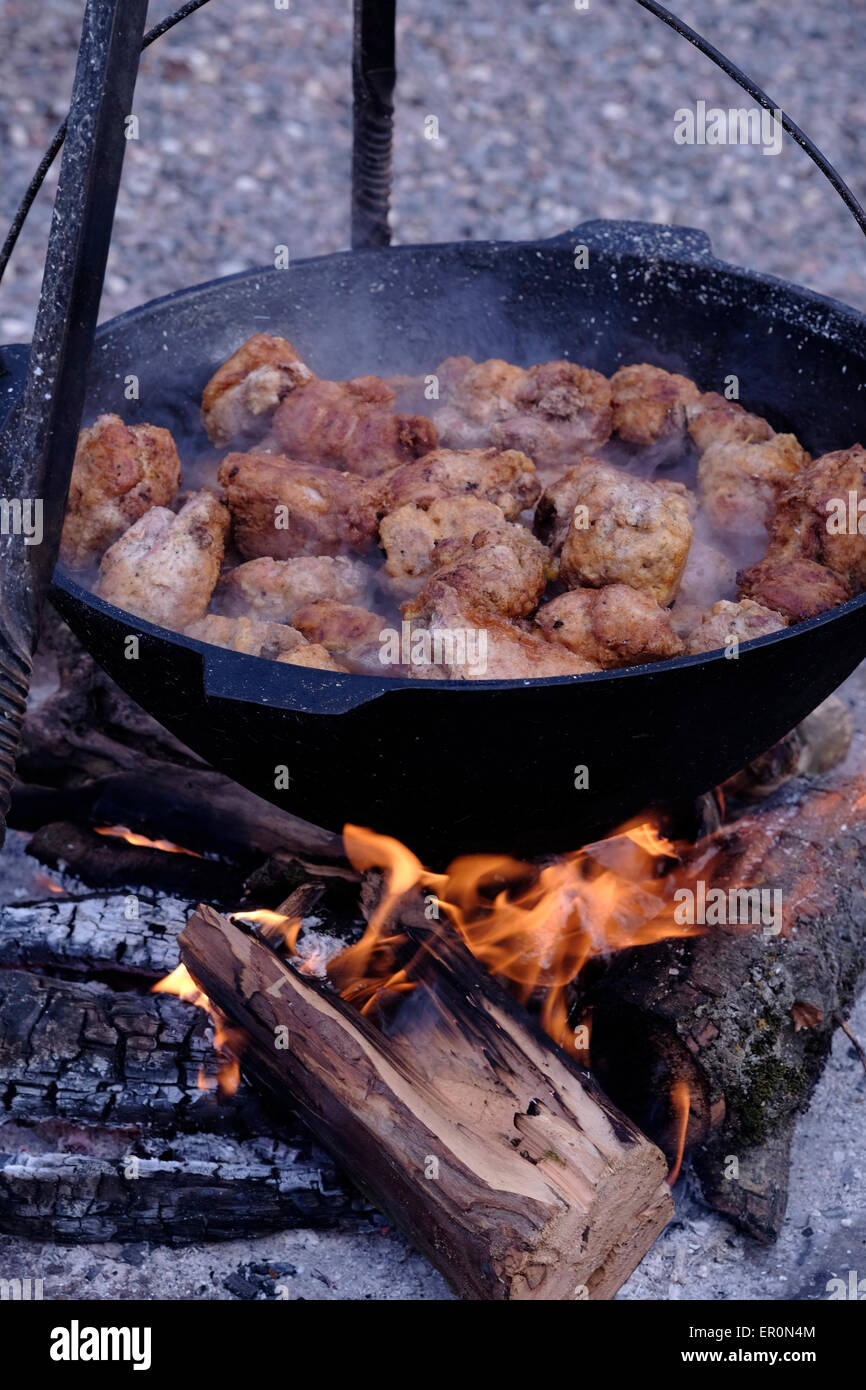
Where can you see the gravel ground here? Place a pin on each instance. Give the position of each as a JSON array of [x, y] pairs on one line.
[[547, 116]]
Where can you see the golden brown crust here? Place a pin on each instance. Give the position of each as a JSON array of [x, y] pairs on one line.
[[119, 472], [343, 628], [409, 536], [273, 589], [739, 484], [797, 588], [249, 635], [165, 567], [614, 626], [468, 642], [273, 641], [282, 508], [715, 420], [502, 569], [505, 477], [818, 516], [556, 504], [313, 655], [351, 425], [649, 405], [631, 531], [725, 621], [244, 392], [475, 396], [562, 410], [550, 411]]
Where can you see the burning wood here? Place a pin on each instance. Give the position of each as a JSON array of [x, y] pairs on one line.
[[663, 1045], [721, 1011], [132, 837], [495, 1153], [105, 1134]]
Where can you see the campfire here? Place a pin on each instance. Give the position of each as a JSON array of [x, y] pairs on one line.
[[515, 1060], [515, 1022]]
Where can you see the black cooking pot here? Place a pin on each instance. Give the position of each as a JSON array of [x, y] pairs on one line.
[[454, 767]]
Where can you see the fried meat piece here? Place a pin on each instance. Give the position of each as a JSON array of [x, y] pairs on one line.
[[714, 420], [242, 395], [461, 640], [119, 472], [282, 508], [475, 396], [313, 655], [550, 411], [165, 567], [818, 516], [627, 530], [344, 629], [409, 535], [273, 589], [613, 626], [556, 505], [275, 641], [649, 406], [505, 477], [351, 425], [249, 635], [503, 569], [796, 588], [738, 484], [562, 410], [725, 620]]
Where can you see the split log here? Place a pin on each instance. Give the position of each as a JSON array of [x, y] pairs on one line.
[[500, 1158], [746, 1018]]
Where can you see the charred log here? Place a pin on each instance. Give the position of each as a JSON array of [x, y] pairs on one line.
[[743, 1014], [105, 1134], [107, 861]]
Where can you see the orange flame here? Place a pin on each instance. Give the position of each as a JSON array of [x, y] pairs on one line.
[[43, 881], [365, 972], [228, 1041], [274, 926], [535, 928], [133, 838], [681, 1104]]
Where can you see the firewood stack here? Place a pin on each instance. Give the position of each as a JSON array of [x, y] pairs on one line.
[[508, 1162]]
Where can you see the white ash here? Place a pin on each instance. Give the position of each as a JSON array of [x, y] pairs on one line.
[[315, 949]]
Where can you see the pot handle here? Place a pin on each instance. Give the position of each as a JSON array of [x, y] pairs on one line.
[[299, 689], [373, 68], [647, 239]]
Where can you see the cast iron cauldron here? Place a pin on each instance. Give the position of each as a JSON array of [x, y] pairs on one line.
[[454, 767]]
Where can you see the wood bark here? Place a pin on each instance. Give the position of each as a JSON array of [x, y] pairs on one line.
[[496, 1155], [745, 1017]]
